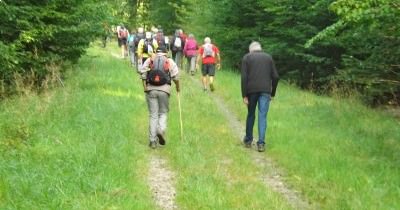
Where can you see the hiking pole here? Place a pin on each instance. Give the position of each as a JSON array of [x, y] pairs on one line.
[[180, 115]]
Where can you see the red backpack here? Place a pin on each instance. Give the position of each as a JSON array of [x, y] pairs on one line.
[[159, 71], [191, 44], [123, 33]]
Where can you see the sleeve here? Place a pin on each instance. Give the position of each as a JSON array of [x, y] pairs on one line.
[[174, 70], [216, 50], [275, 78], [155, 45], [244, 77], [144, 68], [185, 48], [140, 48], [201, 49]]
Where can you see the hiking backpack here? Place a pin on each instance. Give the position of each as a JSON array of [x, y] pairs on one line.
[[123, 33], [208, 51], [131, 40], [159, 71], [138, 37], [148, 46], [191, 44], [177, 43]]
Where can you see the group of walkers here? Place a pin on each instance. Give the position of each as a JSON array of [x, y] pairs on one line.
[[149, 54]]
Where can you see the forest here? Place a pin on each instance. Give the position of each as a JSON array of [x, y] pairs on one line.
[[346, 46]]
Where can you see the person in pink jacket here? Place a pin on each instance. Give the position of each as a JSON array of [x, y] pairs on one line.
[[190, 52]]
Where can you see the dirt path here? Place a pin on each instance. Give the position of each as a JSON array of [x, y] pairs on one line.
[[161, 181], [272, 176]]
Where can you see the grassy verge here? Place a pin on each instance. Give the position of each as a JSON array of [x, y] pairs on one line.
[[77, 147], [341, 154]]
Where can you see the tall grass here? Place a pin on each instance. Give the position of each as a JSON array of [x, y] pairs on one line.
[[340, 153], [76, 147]]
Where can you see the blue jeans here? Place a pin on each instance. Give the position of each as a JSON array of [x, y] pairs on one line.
[[263, 100]]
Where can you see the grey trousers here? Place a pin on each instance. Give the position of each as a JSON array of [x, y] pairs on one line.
[[178, 58], [158, 105], [191, 64]]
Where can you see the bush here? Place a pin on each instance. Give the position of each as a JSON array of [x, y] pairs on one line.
[[36, 34]]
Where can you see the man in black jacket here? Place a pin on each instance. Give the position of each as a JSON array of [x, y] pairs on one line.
[[259, 81]]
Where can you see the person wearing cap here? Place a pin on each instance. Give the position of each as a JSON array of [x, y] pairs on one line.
[[123, 34], [209, 58], [139, 36], [146, 47], [157, 96]]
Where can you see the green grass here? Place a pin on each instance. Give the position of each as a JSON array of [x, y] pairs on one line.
[[341, 154], [215, 171], [85, 147], [76, 147]]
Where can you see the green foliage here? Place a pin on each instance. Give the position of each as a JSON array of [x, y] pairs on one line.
[[36, 34], [371, 63], [315, 43], [57, 151]]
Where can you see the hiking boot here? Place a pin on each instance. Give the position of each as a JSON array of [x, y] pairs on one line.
[[212, 87], [153, 144], [261, 147], [247, 144], [161, 139]]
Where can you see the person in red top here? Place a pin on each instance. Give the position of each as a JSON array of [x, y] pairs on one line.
[[210, 58]]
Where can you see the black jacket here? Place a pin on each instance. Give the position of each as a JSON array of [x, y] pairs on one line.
[[259, 74]]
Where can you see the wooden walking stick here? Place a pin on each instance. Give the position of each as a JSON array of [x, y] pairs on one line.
[[180, 115]]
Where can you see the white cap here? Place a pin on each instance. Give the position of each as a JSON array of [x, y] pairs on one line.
[[148, 35], [207, 40]]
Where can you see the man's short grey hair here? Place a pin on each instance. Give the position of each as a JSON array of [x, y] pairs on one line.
[[255, 46], [207, 40]]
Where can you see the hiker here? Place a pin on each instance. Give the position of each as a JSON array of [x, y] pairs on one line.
[[154, 31], [116, 30], [160, 38], [157, 73], [183, 38], [131, 48], [139, 36], [146, 47], [210, 58], [176, 47], [123, 34], [258, 82], [190, 52]]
